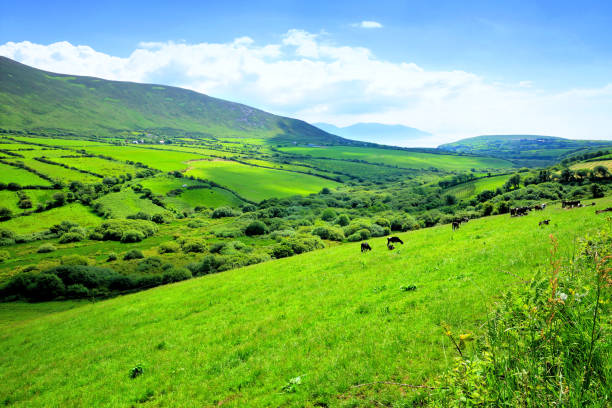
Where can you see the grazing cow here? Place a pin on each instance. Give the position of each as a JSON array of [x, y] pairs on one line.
[[394, 239], [570, 204], [456, 225], [390, 247], [465, 219], [365, 247], [604, 210], [544, 222], [539, 207], [519, 211]]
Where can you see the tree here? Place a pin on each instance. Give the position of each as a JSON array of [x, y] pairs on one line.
[[255, 228], [597, 191], [601, 171]]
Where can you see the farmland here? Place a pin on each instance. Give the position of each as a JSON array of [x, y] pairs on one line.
[[472, 188]]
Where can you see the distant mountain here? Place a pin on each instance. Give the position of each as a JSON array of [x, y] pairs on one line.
[[392, 135], [524, 150], [33, 99]]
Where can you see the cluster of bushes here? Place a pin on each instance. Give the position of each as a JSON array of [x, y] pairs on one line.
[[124, 230], [83, 281], [222, 212], [156, 218], [296, 246], [219, 263]]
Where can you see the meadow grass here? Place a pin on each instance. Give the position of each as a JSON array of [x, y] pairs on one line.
[[162, 184], [209, 197], [127, 202], [472, 188], [74, 212], [256, 183], [333, 317], [58, 172], [592, 164], [97, 165], [157, 159], [22, 177], [407, 159], [9, 199], [55, 141]]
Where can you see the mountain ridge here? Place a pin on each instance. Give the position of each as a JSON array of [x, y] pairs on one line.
[[374, 132]]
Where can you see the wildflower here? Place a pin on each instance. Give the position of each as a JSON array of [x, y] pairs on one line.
[[563, 296]]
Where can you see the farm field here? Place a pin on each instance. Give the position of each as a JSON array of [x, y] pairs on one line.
[[204, 197], [97, 165], [11, 174], [126, 202], [406, 159], [333, 317], [9, 200], [472, 188], [157, 159], [58, 172], [41, 221], [592, 164], [256, 183], [48, 141]]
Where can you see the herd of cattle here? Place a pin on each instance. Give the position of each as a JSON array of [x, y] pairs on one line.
[[514, 212]]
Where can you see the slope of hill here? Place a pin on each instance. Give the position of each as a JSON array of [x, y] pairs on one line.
[[392, 135], [34, 99], [299, 331], [524, 150]]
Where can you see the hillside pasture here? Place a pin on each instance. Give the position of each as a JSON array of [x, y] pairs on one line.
[[58, 172], [126, 202], [472, 188], [11, 174], [204, 197], [589, 165], [98, 165], [334, 318], [74, 212], [256, 183], [158, 159], [9, 199], [402, 158]]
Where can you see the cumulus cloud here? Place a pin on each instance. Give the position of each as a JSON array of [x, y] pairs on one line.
[[368, 24], [304, 75]]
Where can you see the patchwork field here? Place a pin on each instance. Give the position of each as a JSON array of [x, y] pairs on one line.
[[407, 159], [592, 164], [126, 202], [256, 183], [97, 165], [334, 318], [11, 174], [41, 221], [472, 188], [157, 159]]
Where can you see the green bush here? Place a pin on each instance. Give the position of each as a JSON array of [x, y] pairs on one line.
[[46, 248], [5, 214], [222, 212], [176, 275], [112, 256], [113, 230], [354, 237], [133, 254], [77, 291], [195, 224], [168, 247], [328, 214], [343, 220], [130, 236], [6, 237], [329, 233], [71, 237], [160, 219], [282, 251], [4, 256], [255, 228], [74, 259], [149, 265], [194, 245]]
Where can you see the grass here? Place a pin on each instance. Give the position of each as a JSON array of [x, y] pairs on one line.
[[126, 202], [406, 159], [592, 164], [256, 183], [41, 221], [20, 176], [472, 188], [9, 199], [212, 198], [335, 317], [97, 165], [157, 159], [58, 172]]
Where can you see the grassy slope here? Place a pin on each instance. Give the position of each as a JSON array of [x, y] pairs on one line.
[[41, 221], [256, 183], [20, 176], [31, 98], [472, 188], [592, 164], [414, 160], [335, 317], [127, 202]]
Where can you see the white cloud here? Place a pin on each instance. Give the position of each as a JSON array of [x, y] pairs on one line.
[[306, 76], [368, 24]]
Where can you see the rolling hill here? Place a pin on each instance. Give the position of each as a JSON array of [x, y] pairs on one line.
[[392, 135], [331, 318], [33, 99], [524, 150]]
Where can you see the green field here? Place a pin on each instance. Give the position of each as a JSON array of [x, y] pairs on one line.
[[406, 159], [9, 199], [41, 221], [97, 165], [472, 188], [58, 172], [11, 174], [157, 159], [334, 317], [126, 202], [592, 164], [256, 183]]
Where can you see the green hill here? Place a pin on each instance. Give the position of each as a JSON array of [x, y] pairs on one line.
[[524, 150], [32, 99], [334, 318]]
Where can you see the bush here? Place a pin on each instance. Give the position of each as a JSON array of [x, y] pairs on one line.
[[6, 237], [354, 237], [139, 216], [176, 275], [329, 233], [71, 237], [159, 219], [113, 230], [282, 251], [46, 248], [194, 245], [111, 257], [405, 223], [195, 224], [255, 228], [328, 214], [222, 212], [45, 287], [133, 254], [5, 214], [149, 265], [130, 236], [343, 220], [77, 291], [168, 247]]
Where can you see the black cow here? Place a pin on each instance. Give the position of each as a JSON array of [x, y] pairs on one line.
[[390, 247], [544, 222], [604, 210], [464, 219], [455, 225], [365, 247], [570, 204], [539, 207], [394, 239]]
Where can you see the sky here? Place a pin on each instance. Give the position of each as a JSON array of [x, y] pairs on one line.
[[452, 68]]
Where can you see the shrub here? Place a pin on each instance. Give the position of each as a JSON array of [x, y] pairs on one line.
[[282, 251], [195, 224], [255, 228], [149, 265], [77, 291], [404, 223], [343, 220], [354, 237], [74, 259], [5, 214], [329, 233], [365, 233], [112, 230], [168, 247], [194, 245], [176, 275], [71, 237], [111, 257], [328, 214], [6, 237], [45, 287], [222, 212], [139, 216], [133, 254], [46, 248], [130, 236], [159, 219], [4, 256]]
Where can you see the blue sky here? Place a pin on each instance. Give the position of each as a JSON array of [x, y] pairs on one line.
[[528, 53]]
